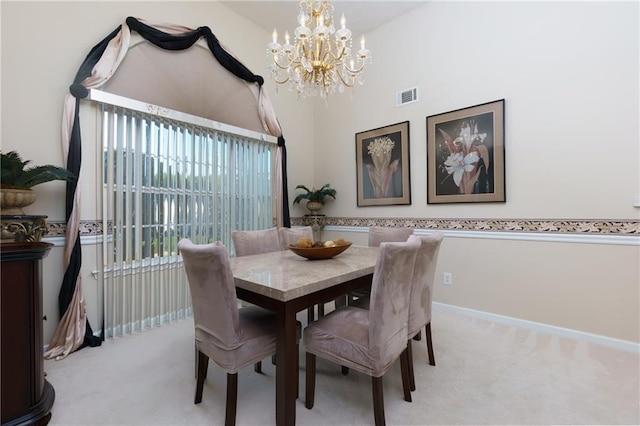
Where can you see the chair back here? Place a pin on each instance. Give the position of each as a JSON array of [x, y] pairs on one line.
[[423, 281], [389, 305], [290, 236], [247, 243], [213, 291], [383, 234]]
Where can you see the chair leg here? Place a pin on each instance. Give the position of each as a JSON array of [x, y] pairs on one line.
[[257, 367], [378, 401], [418, 336], [320, 310], [202, 367], [232, 399], [412, 378], [432, 359], [297, 370], [310, 382], [340, 301], [404, 369], [345, 370], [310, 315], [273, 360]]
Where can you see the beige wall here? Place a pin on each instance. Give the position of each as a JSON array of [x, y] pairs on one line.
[[571, 96], [591, 288], [568, 72]]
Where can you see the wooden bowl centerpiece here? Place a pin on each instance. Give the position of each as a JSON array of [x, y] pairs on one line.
[[320, 249]]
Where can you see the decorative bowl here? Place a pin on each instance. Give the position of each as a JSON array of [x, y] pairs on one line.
[[316, 253]]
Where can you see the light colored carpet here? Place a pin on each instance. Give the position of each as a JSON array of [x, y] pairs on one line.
[[486, 373]]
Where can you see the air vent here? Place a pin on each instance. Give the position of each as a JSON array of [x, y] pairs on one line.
[[407, 96]]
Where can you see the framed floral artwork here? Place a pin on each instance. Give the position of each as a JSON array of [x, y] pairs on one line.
[[465, 155], [382, 163]]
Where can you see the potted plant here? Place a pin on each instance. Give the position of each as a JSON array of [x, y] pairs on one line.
[[17, 179], [315, 196]]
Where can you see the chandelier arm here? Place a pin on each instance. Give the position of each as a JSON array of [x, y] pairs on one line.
[[283, 67], [281, 82], [356, 70], [334, 56], [343, 80]]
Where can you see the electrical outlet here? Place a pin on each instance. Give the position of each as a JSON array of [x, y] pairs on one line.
[[447, 278]]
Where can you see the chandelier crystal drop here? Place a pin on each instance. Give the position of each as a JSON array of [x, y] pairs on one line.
[[320, 60]]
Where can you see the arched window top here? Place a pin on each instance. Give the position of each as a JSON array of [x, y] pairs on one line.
[[189, 80]]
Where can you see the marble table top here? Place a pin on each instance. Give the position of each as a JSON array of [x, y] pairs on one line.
[[283, 275]]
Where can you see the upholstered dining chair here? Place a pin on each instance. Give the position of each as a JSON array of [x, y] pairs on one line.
[[422, 283], [247, 243], [260, 241], [383, 234], [422, 295], [369, 341], [290, 236], [233, 338], [378, 235], [273, 239]]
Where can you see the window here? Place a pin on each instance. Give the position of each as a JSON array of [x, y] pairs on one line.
[[166, 178]]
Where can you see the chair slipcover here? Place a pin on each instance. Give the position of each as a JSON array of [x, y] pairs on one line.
[[370, 341], [233, 338], [423, 280], [255, 242], [382, 234], [290, 236], [377, 236]]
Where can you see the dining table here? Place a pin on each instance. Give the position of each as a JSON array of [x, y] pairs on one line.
[[286, 284]]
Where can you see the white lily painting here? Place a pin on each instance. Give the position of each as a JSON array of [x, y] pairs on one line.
[[465, 151], [383, 167]]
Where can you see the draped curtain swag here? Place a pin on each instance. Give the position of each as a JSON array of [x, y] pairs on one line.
[[74, 331]]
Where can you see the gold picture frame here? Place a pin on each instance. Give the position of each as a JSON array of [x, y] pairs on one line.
[[382, 164], [465, 155]]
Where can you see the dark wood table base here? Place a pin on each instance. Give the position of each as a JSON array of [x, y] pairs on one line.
[[286, 338]]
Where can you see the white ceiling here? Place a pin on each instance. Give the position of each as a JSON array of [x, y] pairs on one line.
[[361, 16]]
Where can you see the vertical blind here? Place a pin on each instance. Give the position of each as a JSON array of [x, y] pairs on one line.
[[162, 180]]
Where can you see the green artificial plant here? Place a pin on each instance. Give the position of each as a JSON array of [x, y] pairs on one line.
[[314, 194], [16, 174]]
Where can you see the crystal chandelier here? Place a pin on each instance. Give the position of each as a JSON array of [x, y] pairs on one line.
[[320, 61]]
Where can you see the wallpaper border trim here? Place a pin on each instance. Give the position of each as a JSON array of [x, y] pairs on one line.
[[553, 226], [619, 227]]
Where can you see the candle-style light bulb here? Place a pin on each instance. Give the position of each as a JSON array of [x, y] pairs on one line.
[[274, 35], [343, 22], [321, 21], [286, 37], [362, 43]]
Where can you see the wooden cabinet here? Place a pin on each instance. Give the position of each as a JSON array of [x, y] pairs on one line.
[[26, 397]]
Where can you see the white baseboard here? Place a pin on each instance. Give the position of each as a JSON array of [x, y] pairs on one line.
[[624, 345]]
